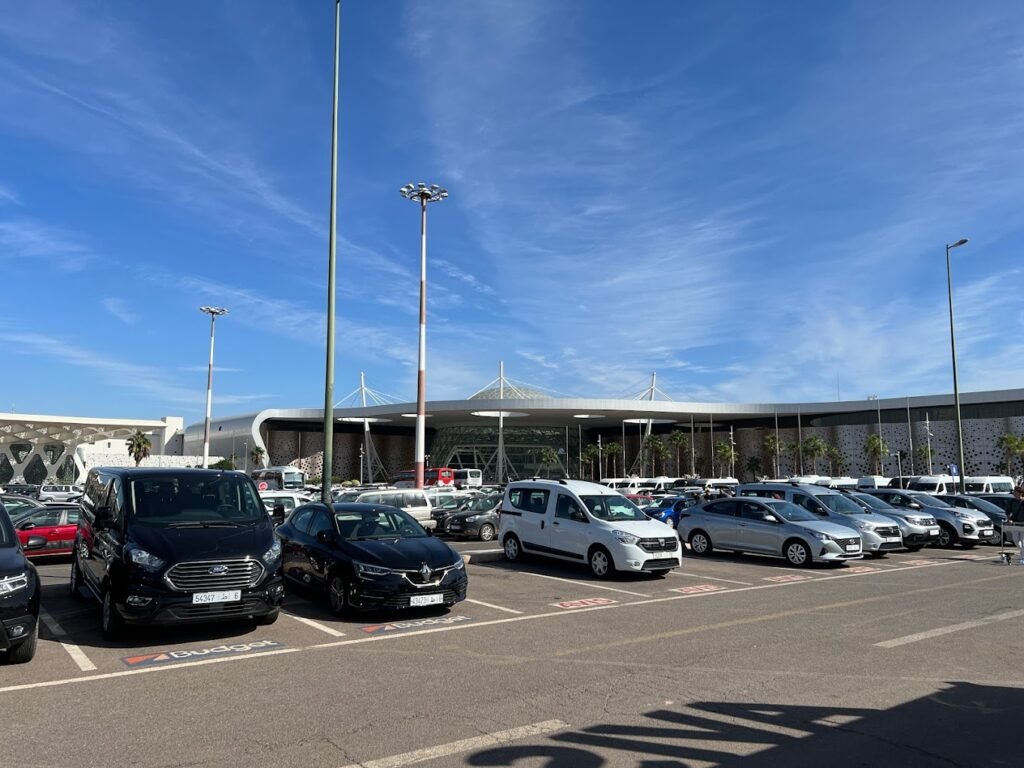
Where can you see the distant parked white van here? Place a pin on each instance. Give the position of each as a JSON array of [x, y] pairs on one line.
[[873, 481], [989, 484], [935, 484]]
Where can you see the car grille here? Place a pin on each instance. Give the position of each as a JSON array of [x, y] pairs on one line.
[[197, 577], [889, 531], [667, 544], [660, 562], [889, 545], [434, 577], [213, 610], [846, 542]]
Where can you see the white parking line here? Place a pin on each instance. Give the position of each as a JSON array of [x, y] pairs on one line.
[[316, 625], [711, 578], [495, 607], [465, 745], [583, 583], [939, 631], [76, 653]]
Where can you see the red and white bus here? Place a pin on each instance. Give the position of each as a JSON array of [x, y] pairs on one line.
[[433, 476]]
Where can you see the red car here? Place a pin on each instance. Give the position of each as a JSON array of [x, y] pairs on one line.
[[56, 524]]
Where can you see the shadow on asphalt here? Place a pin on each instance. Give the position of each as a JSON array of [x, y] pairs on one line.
[[963, 725]]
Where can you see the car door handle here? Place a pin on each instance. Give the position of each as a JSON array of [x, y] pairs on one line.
[[555, 523], [542, 525]]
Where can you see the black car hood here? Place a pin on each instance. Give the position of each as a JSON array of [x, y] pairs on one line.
[[408, 553], [12, 562], [178, 544], [464, 515]]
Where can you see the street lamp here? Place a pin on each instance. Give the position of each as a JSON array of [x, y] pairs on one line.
[[878, 407], [423, 195], [956, 389], [214, 313]]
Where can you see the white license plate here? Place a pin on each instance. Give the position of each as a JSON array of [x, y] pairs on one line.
[[417, 600], [228, 596], [852, 548], [892, 540], [987, 533], [933, 531]]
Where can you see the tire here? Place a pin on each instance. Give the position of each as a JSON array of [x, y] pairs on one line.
[[513, 549], [487, 532], [947, 537], [700, 543], [75, 579], [601, 563], [25, 650], [111, 623], [797, 553], [268, 618], [671, 523], [337, 596]]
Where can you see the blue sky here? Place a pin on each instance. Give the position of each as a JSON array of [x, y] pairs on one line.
[[749, 198]]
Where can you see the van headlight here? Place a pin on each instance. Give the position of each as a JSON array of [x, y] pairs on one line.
[[273, 554], [144, 559], [12, 584], [626, 538]]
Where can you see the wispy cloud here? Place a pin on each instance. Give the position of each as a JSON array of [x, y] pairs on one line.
[[27, 240], [120, 309], [8, 196]]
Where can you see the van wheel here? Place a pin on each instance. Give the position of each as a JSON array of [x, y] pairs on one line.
[[601, 564], [486, 532], [338, 597], [75, 579], [700, 543], [111, 623], [25, 650], [797, 553], [513, 550]]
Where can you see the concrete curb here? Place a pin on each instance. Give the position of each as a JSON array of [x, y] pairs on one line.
[[483, 556]]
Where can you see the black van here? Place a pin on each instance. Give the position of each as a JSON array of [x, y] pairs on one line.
[[172, 546]]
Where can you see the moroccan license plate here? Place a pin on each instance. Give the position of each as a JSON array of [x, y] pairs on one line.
[[227, 596], [418, 600], [852, 547]]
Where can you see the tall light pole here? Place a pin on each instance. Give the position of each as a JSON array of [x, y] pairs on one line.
[[332, 250], [423, 195], [956, 389], [214, 313], [878, 407]]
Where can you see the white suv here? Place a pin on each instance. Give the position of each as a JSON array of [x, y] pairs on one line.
[[49, 492], [584, 523]]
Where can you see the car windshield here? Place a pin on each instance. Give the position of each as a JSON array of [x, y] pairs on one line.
[[871, 501], [377, 523], [790, 511], [196, 500], [613, 508], [485, 504], [841, 504], [927, 500], [987, 507]]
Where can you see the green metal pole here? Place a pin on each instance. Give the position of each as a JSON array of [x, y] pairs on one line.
[[328, 471]]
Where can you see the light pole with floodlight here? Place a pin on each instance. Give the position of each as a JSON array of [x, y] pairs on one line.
[[961, 470], [214, 313], [423, 195], [881, 442]]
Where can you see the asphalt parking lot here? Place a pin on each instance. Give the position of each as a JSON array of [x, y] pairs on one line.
[[727, 661]]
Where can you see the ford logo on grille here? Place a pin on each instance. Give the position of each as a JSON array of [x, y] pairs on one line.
[[218, 570]]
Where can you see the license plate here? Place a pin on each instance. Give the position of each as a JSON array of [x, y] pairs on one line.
[[892, 541], [986, 533], [933, 531], [455, 527], [418, 600], [852, 548], [229, 596]]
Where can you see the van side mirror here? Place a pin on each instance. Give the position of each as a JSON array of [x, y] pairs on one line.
[[325, 537], [26, 526], [34, 542]]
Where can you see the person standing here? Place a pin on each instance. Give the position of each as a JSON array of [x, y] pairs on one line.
[[1015, 520]]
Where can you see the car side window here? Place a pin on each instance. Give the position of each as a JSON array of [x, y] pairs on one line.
[[894, 500], [750, 511], [321, 523], [116, 502], [300, 520], [413, 500], [565, 506], [809, 503], [727, 507], [72, 517], [529, 500], [42, 518]]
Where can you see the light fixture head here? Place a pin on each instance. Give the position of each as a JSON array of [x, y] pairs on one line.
[[958, 243], [214, 311]]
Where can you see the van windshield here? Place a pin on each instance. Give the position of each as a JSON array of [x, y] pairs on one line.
[[195, 501], [790, 511], [613, 508]]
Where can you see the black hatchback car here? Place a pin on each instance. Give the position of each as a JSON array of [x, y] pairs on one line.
[[175, 546], [369, 556], [19, 595]]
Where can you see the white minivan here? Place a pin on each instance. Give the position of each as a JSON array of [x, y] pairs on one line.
[[410, 500], [584, 523], [989, 484]]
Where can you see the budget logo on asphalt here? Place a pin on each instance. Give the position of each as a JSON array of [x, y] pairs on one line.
[[398, 626], [193, 654]]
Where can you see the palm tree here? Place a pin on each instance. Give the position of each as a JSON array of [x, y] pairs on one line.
[[725, 453], [680, 441], [139, 446], [588, 457], [548, 456], [814, 449], [753, 466], [793, 451], [1013, 446], [875, 448], [257, 454], [773, 446], [924, 456], [836, 460], [655, 447], [612, 450]]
